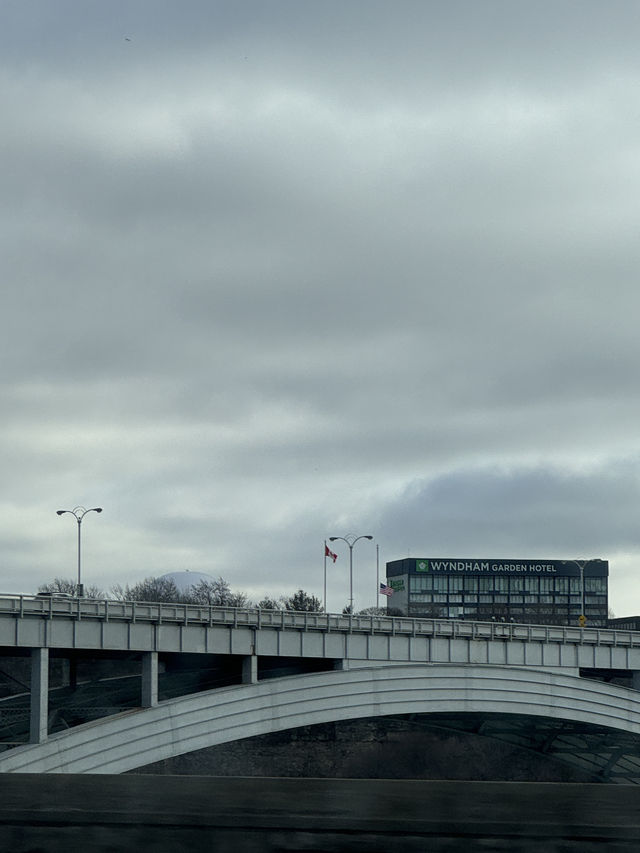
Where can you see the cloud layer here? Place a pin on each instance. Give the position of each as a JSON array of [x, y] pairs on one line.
[[275, 273]]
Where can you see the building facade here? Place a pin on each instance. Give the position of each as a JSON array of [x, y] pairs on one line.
[[625, 623], [543, 592]]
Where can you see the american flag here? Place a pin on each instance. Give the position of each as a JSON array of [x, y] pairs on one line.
[[386, 590]]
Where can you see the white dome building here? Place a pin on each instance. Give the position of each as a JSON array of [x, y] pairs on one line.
[[184, 581]]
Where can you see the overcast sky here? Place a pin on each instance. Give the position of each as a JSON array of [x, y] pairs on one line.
[[278, 271]]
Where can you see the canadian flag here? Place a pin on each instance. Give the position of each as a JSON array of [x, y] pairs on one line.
[[329, 553]]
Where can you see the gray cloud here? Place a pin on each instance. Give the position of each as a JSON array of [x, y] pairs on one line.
[[277, 272], [538, 510]]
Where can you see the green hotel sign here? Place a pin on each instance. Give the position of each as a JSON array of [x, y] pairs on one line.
[[527, 567]]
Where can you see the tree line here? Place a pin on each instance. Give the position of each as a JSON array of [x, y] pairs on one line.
[[216, 592]]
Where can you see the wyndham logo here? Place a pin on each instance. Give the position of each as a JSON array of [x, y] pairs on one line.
[[422, 566]]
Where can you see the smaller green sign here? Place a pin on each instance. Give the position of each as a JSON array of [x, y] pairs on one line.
[[398, 585]]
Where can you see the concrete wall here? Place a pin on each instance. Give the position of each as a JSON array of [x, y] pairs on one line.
[[58, 814]]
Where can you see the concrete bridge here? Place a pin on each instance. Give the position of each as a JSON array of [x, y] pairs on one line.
[[341, 668]]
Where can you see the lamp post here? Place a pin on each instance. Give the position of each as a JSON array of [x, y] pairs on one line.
[[351, 540], [79, 513], [581, 564]]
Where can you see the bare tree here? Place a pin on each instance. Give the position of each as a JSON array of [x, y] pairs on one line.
[[269, 604], [70, 587], [150, 589], [217, 593], [302, 601]]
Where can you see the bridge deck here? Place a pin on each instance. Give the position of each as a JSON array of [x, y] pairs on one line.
[[282, 620]]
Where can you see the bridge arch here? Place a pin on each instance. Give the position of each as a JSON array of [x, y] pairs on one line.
[[132, 740]]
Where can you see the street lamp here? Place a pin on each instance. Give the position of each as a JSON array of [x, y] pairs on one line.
[[351, 540], [79, 513], [581, 564]]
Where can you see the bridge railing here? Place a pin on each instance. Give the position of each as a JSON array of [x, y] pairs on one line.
[[195, 614]]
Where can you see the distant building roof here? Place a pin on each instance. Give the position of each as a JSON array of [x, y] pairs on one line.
[[184, 581], [630, 623]]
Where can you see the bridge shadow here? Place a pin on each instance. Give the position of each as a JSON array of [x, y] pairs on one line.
[[463, 746], [89, 686]]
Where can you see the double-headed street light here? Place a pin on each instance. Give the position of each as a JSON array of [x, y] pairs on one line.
[[351, 540], [79, 513], [581, 564]]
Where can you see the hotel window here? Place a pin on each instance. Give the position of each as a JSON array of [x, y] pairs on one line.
[[546, 585], [455, 583], [471, 584], [516, 584], [532, 585], [440, 583], [485, 584], [501, 584], [595, 585], [574, 585], [562, 585]]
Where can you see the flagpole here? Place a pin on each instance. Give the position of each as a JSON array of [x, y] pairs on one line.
[[324, 601], [377, 575]]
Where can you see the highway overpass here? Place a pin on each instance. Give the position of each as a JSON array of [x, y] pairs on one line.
[[285, 670]]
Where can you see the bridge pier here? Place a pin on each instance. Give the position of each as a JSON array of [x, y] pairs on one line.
[[39, 703], [149, 698], [250, 669]]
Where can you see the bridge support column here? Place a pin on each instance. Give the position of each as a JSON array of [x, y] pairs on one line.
[[250, 669], [149, 679], [39, 707], [635, 680]]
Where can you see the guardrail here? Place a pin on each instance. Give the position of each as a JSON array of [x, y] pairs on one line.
[[282, 620]]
